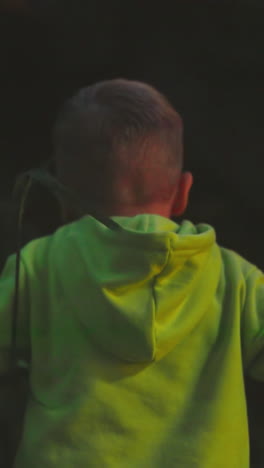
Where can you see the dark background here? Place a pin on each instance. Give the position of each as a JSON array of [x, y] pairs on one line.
[[206, 56]]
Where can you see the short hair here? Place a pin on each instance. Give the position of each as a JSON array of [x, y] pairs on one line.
[[119, 142]]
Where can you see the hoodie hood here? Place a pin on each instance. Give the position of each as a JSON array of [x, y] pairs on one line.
[[139, 290]]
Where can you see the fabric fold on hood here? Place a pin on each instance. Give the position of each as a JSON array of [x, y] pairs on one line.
[[146, 282]]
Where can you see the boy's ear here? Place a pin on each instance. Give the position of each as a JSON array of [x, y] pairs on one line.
[[182, 196]]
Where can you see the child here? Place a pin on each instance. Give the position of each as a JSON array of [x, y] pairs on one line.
[[140, 337]]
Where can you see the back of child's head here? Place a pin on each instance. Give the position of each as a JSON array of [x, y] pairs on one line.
[[119, 142]]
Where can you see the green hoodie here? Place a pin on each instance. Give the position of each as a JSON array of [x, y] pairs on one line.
[[140, 339]]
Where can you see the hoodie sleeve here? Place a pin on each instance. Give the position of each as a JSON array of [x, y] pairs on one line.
[[7, 295], [252, 325]]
